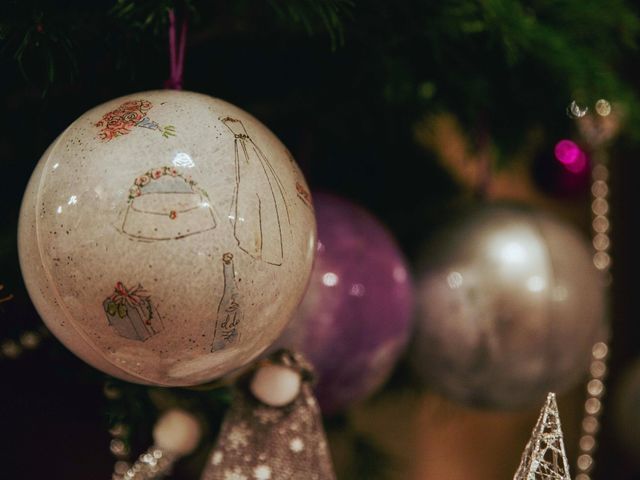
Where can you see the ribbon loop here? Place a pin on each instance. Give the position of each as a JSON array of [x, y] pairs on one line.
[[176, 58]]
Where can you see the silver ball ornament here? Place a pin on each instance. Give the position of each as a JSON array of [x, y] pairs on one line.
[[510, 305]]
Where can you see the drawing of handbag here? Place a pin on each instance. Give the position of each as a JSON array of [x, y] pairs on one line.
[[164, 205]]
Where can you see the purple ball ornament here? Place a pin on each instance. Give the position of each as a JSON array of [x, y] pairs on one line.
[[355, 318]]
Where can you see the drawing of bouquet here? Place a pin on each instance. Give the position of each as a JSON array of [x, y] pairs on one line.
[[132, 314], [130, 114]]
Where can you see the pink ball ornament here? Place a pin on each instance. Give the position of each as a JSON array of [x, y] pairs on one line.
[[355, 319], [165, 238]]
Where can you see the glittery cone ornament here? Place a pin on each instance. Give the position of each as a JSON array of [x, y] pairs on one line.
[[260, 441], [544, 457]]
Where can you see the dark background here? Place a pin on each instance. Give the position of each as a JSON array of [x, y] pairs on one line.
[[345, 118]]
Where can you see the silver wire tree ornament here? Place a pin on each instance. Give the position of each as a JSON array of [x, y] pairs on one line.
[[544, 457]]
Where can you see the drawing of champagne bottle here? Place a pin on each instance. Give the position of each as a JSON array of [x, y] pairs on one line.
[[229, 309]]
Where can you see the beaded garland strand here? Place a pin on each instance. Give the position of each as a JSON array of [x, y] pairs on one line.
[[597, 131]]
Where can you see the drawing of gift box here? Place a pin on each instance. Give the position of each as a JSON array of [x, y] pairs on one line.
[[132, 314], [164, 205]]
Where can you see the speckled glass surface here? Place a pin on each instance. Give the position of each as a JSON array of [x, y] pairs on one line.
[[166, 237], [509, 306]]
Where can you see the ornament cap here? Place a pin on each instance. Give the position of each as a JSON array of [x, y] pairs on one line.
[[276, 385]]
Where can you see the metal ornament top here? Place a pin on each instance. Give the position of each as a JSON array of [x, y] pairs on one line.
[[544, 457]]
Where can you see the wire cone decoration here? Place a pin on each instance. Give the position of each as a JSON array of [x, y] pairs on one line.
[[544, 457]]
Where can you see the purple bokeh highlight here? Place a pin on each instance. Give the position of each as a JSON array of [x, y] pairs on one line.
[[572, 157]]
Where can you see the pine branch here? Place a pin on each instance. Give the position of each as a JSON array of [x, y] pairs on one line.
[[308, 12], [39, 41], [148, 15]]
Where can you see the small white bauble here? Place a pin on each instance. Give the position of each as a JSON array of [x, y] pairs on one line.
[[276, 385], [177, 432], [164, 238]]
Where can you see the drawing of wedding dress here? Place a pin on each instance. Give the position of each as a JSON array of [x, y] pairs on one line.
[[259, 207]]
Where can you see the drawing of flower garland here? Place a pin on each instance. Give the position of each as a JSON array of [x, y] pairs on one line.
[[304, 194], [155, 174], [130, 114]]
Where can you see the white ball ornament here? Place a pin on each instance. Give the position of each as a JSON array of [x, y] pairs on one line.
[[164, 238], [276, 385], [177, 432]]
